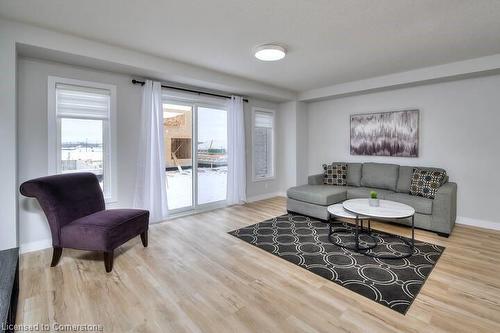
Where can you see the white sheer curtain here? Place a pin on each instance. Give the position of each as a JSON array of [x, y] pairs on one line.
[[150, 190], [236, 162]]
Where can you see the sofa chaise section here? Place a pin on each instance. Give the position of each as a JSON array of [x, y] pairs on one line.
[[312, 199]]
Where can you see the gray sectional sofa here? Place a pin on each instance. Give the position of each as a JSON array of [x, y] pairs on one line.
[[391, 182]]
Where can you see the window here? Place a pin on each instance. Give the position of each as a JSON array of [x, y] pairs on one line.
[[263, 144], [81, 130]]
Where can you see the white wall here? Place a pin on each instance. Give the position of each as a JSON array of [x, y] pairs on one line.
[[32, 142], [287, 139], [8, 166], [459, 131], [49, 44], [293, 140], [426, 75], [33, 145], [302, 143], [257, 190], [81, 51]]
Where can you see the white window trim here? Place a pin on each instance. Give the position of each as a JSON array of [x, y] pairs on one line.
[[109, 131], [273, 176]]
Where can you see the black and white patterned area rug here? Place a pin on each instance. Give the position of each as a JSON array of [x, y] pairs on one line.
[[304, 241]]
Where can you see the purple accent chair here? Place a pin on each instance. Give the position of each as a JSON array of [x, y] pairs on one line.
[[75, 209]]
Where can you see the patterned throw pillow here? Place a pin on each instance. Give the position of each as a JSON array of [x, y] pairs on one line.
[[425, 183], [335, 174]]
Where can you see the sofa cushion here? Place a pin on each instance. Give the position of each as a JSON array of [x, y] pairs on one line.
[[354, 192], [354, 174], [104, 230], [421, 205], [405, 174], [425, 183], [335, 174], [318, 194], [379, 175]]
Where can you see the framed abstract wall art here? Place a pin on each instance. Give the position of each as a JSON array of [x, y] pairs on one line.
[[392, 133]]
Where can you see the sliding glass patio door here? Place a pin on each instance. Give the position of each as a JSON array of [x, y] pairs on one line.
[[178, 138], [211, 155], [195, 155]]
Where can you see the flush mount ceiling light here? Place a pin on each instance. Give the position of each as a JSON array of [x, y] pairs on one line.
[[270, 52]]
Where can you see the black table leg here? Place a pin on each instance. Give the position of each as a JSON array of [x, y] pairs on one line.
[[356, 233], [412, 233]]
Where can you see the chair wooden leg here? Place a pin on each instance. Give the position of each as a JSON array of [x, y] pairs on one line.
[[56, 255], [108, 261], [144, 238]]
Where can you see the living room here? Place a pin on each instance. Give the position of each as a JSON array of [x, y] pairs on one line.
[[187, 166]]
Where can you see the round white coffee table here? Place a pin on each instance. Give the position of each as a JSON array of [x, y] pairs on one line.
[[387, 209], [360, 209]]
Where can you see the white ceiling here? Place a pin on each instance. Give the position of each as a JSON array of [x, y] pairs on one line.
[[329, 41]]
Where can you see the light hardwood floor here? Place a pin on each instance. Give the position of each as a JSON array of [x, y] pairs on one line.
[[194, 277]]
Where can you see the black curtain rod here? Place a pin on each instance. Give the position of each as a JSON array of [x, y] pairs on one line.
[[134, 81]]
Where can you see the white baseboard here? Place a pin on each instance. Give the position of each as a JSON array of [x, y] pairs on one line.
[[35, 246], [478, 223], [266, 196]]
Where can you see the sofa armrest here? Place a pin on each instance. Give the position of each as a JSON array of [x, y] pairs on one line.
[[315, 179], [444, 208]]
